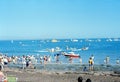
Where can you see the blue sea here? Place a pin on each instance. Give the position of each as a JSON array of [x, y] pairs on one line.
[[99, 48]]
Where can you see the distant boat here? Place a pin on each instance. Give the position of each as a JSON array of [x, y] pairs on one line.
[[57, 49], [51, 50], [74, 40], [109, 40], [98, 40], [66, 41], [85, 48], [71, 54], [88, 40], [116, 39], [54, 40]]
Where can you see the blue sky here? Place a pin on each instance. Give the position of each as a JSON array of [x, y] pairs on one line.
[[36, 19]]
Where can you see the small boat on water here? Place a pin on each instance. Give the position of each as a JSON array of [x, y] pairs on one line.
[[54, 40], [71, 54], [85, 48]]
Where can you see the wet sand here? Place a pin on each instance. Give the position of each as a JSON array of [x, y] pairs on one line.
[[34, 75]]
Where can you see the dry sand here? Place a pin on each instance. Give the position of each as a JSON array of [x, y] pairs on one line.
[[33, 75]]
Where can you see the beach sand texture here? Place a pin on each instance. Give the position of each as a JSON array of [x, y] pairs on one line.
[[32, 75]]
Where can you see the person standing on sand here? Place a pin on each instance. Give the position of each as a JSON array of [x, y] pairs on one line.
[[23, 62], [91, 62]]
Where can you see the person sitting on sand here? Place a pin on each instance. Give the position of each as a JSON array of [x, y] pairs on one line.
[[88, 80], [85, 69], [2, 76], [80, 79], [1, 73]]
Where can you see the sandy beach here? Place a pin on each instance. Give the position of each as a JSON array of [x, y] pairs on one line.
[[35, 75], [59, 40]]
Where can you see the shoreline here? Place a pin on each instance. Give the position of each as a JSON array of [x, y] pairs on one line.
[[68, 67]]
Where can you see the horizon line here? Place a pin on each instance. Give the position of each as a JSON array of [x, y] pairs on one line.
[[62, 38]]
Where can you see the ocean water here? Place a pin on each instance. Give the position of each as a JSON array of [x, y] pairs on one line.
[[100, 48]]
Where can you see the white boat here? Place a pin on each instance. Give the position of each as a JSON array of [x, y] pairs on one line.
[[74, 40]]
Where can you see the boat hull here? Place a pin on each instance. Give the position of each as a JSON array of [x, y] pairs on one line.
[[73, 56]]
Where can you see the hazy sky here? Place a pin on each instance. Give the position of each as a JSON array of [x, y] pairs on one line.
[[36, 19]]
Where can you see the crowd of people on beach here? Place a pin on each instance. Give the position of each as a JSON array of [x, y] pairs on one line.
[[28, 61], [31, 60]]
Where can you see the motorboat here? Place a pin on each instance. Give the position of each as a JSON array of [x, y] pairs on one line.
[[71, 54]]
